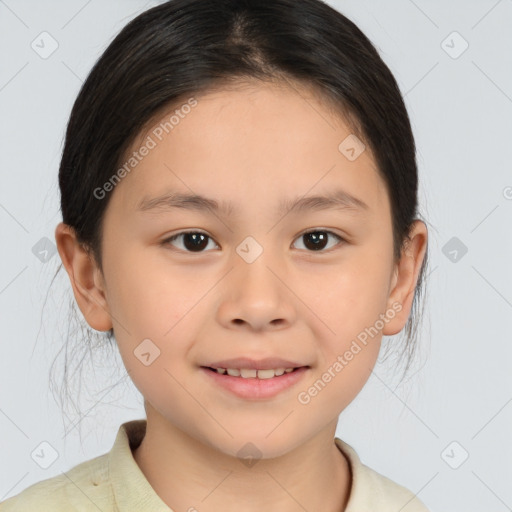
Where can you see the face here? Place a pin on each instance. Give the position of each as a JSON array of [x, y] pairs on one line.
[[256, 278]]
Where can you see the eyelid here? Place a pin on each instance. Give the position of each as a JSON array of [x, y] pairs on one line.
[[167, 240], [314, 230], [322, 230]]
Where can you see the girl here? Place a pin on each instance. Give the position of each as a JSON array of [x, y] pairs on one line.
[[239, 200]]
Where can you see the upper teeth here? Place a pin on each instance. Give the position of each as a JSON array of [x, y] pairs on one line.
[[248, 373]]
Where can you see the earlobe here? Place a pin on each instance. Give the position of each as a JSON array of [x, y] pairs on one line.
[[86, 279], [405, 278]]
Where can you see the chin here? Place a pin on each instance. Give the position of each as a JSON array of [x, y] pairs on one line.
[[257, 445]]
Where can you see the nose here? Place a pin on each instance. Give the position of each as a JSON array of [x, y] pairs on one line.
[[256, 296]]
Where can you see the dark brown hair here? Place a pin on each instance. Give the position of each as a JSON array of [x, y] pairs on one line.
[[186, 47]]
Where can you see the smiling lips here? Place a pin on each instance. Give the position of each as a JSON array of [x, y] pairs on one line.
[[268, 363], [255, 378], [247, 368], [255, 384], [251, 373]]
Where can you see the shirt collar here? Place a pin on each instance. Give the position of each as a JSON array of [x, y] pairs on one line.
[[359, 498], [133, 493]]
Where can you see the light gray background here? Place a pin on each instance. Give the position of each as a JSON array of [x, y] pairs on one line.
[[461, 388]]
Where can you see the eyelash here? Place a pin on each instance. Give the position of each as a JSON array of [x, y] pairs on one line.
[[168, 241]]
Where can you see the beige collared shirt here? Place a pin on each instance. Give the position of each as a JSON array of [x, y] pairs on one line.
[[113, 482]]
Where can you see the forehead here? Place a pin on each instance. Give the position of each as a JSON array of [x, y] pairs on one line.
[[251, 143]]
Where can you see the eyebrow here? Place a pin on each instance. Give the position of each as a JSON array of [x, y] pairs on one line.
[[337, 199]]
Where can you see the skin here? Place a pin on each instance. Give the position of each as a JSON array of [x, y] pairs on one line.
[[291, 302]]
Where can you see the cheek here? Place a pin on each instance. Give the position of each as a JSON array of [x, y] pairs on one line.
[[352, 295], [150, 296], [157, 307], [351, 306], [351, 298]]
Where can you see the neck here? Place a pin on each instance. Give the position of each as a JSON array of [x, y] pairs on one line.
[[186, 472]]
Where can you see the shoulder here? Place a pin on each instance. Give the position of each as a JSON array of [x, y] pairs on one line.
[[373, 491], [84, 488], [390, 495]]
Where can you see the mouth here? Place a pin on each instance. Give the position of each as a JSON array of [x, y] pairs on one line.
[[252, 383], [253, 373]]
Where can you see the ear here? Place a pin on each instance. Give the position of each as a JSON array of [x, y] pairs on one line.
[[405, 278], [86, 278]]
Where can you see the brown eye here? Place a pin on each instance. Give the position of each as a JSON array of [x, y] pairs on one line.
[[192, 241], [196, 241], [317, 240]]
